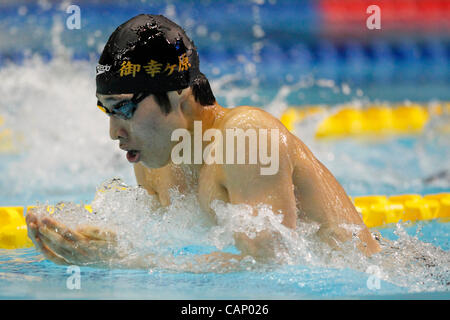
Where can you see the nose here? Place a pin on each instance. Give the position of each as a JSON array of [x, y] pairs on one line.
[[117, 130]]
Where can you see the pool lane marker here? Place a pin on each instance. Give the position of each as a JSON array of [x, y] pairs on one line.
[[376, 211], [13, 228], [373, 120], [383, 211]]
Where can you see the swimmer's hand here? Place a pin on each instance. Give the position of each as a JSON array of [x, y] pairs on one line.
[[87, 245]]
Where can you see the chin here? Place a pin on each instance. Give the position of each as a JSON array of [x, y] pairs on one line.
[[153, 163]]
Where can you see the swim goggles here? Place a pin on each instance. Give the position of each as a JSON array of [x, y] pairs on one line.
[[125, 109]]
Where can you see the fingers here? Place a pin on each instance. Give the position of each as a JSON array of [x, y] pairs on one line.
[[61, 229], [86, 245], [30, 217], [68, 243], [60, 245], [101, 243], [51, 244], [96, 233], [44, 249], [32, 229], [51, 255]]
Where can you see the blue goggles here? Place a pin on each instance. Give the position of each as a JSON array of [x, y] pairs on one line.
[[125, 109]]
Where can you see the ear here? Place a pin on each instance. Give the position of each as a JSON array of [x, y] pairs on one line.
[[186, 101], [183, 95], [177, 98]]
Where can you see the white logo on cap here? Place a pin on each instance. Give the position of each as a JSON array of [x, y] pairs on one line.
[[102, 69]]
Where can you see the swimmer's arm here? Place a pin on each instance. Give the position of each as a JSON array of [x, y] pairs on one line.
[[275, 191], [326, 202], [245, 184]]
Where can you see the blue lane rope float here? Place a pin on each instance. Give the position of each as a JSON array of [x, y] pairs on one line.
[[376, 210]]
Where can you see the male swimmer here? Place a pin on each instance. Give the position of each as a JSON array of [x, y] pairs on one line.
[[149, 83]]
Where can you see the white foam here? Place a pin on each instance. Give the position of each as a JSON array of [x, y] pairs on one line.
[[144, 228], [62, 137]]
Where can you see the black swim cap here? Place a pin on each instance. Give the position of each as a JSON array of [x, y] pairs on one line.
[[147, 53]]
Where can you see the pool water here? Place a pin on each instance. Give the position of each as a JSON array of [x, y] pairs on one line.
[[62, 152], [25, 275]]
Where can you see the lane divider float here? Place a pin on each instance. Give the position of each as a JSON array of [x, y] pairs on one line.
[[348, 121], [13, 228], [382, 211]]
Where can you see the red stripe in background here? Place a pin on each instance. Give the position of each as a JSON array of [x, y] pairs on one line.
[[400, 15]]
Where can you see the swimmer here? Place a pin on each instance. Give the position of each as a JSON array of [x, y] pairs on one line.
[[149, 84]]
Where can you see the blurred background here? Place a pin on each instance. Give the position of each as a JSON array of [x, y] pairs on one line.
[[266, 41]]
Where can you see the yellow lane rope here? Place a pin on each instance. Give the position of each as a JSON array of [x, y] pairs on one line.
[[372, 120], [13, 229], [377, 211], [382, 210]]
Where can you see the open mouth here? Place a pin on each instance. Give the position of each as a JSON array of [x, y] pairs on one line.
[[133, 155]]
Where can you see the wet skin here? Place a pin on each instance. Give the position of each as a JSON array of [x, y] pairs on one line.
[[302, 188]]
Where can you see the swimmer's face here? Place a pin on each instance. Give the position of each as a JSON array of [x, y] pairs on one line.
[[146, 135]]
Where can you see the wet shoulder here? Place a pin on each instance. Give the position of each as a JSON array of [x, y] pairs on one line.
[[246, 117]]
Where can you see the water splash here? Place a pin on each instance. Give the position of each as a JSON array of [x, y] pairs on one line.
[[171, 238], [61, 137]]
